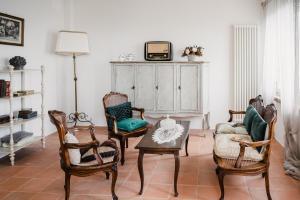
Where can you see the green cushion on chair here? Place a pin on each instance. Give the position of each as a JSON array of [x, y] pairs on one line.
[[249, 116], [131, 124], [121, 111], [258, 129]]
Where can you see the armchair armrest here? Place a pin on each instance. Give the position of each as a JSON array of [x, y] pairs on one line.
[[114, 121], [111, 143], [141, 110], [243, 145], [87, 145], [232, 112]]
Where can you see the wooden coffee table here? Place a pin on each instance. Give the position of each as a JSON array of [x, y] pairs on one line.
[[147, 145]]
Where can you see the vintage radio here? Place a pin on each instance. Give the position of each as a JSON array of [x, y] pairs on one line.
[[158, 51]]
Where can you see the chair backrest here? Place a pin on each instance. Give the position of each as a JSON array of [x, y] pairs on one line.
[[258, 104], [58, 118], [270, 116], [113, 99]]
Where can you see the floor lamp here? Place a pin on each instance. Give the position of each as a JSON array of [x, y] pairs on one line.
[[73, 43]]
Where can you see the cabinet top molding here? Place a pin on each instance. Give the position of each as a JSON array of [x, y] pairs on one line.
[[148, 62]]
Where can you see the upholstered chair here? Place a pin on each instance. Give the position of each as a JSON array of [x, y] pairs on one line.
[[246, 152], [119, 114], [84, 159]]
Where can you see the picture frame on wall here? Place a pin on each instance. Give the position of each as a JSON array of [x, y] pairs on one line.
[[11, 30]]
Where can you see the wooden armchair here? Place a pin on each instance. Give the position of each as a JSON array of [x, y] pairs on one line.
[[107, 164], [241, 166], [113, 99]]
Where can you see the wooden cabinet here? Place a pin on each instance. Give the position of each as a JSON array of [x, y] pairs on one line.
[[165, 88], [175, 88], [124, 80], [189, 88], [145, 87]]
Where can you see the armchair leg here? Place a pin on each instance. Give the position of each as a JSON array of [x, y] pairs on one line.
[[113, 183], [266, 175], [107, 175], [221, 183], [122, 145], [126, 142], [67, 186]]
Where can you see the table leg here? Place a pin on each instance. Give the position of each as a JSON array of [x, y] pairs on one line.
[[141, 171], [177, 164], [186, 145]]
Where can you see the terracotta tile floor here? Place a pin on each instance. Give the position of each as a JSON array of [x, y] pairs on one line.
[[37, 176]]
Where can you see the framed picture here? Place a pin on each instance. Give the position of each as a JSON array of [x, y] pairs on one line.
[[11, 30]]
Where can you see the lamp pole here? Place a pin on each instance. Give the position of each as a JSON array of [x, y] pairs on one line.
[[76, 117]]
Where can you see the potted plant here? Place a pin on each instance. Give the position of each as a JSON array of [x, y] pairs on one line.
[[192, 52]]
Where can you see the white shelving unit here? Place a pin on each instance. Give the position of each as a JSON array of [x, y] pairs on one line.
[[16, 122]]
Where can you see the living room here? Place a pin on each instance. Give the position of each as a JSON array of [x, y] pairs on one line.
[[173, 68]]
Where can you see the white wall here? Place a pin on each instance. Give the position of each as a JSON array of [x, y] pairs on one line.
[[122, 26], [43, 19]]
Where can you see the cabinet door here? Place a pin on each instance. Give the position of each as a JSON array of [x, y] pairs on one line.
[[166, 87], [188, 88], [145, 87], [124, 80]]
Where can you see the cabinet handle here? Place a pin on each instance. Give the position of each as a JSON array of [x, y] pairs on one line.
[[133, 87], [156, 87], [179, 87]]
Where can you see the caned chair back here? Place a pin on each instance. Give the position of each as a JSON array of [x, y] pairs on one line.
[[113, 99]]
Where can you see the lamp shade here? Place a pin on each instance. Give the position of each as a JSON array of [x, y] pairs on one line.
[[72, 43]]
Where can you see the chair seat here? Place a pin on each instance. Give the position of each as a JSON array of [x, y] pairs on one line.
[[225, 147], [105, 153], [229, 164]]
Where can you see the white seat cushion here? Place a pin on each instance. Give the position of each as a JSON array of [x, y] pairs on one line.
[[225, 147], [74, 154], [101, 150], [231, 128]]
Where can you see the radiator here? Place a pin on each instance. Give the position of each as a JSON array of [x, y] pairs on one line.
[[245, 65]]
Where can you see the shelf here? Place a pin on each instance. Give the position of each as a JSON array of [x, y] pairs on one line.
[[19, 121], [154, 62], [7, 71], [23, 96], [4, 151]]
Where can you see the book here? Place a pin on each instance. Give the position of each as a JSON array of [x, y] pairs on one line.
[[7, 93]]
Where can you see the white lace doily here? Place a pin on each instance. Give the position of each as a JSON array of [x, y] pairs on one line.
[[162, 135]]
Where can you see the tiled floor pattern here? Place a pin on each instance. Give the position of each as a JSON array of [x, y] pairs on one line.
[[37, 176]]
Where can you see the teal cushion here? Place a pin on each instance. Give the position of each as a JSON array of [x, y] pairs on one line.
[[131, 124], [258, 129], [250, 114], [121, 111]]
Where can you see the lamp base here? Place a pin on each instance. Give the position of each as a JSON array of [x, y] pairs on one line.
[[77, 117]]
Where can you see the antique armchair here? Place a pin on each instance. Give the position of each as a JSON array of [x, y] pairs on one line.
[[247, 161], [114, 99], [101, 157]]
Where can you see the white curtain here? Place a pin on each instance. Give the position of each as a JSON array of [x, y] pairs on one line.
[[280, 74]]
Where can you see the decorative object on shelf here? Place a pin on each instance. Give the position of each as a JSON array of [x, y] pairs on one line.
[[27, 114], [193, 52], [18, 62], [23, 93], [17, 137], [74, 43], [158, 51], [169, 131], [11, 30], [130, 57], [3, 88], [4, 119]]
